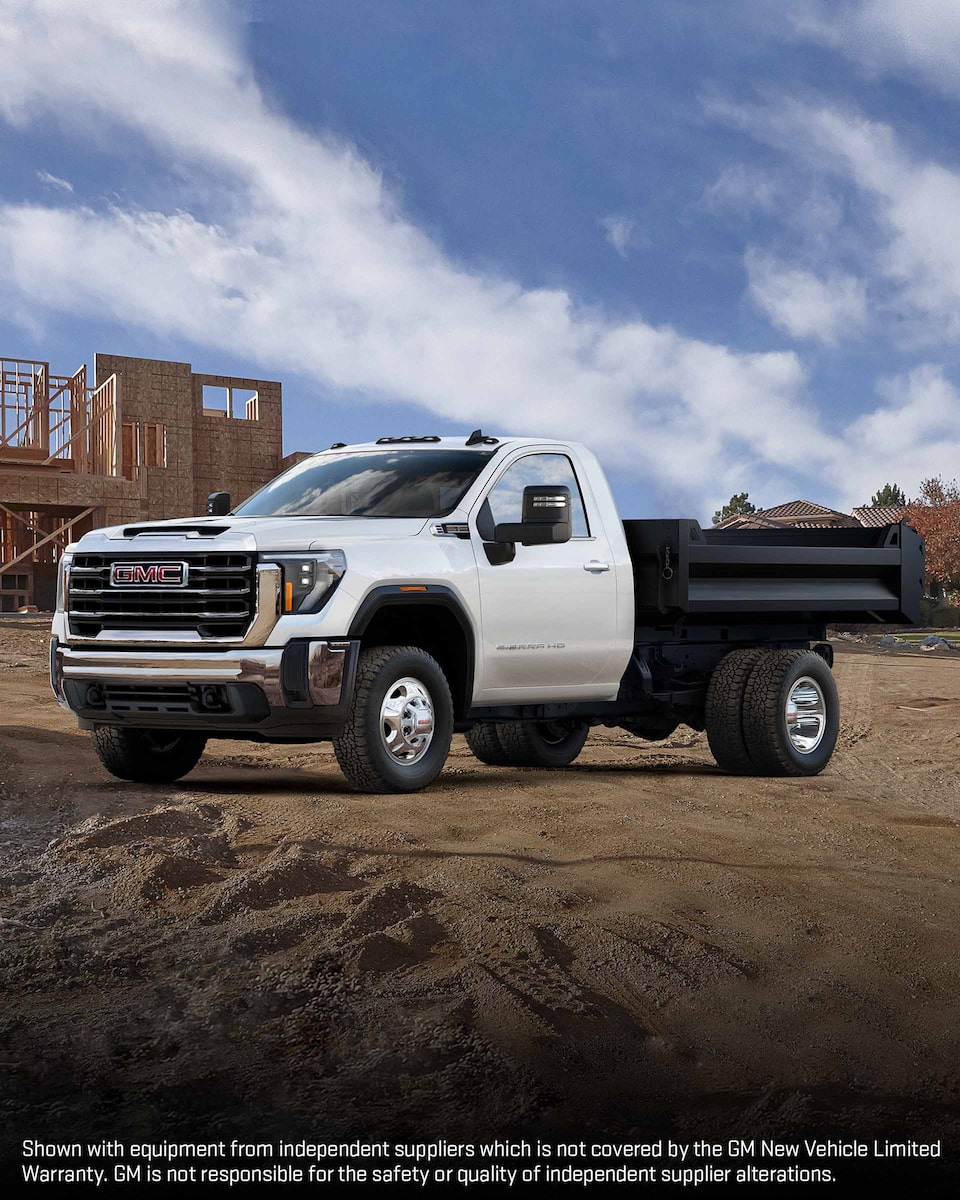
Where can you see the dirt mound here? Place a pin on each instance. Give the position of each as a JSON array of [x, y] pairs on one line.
[[385, 906], [160, 874], [290, 873], [165, 822]]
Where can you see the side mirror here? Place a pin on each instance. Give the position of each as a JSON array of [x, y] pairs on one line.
[[546, 520], [218, 504]]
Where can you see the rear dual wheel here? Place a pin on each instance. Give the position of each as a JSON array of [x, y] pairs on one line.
[[772, 712], [527, 743]]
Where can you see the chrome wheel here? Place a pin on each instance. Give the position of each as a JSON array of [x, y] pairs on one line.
[[806, 715], [406, 720]]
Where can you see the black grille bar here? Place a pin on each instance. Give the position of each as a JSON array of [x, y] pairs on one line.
[[218, 600]]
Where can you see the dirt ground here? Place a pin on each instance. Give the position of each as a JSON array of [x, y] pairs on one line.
[[635, 942]]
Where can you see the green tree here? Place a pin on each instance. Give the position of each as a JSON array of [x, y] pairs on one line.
[[738, 506], [889, 495]]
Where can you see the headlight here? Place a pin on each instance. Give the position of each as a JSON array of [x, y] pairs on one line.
[[309, 578], [65, 561]]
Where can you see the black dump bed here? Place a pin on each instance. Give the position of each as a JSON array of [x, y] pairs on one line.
[[706, 576]]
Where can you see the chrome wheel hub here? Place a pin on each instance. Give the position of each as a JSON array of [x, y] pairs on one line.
[[806, 715], [406, 720]]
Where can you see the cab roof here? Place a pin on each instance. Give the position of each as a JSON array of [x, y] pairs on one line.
[[488, 444]]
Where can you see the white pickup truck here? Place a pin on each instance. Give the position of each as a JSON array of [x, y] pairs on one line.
[[386, 595]]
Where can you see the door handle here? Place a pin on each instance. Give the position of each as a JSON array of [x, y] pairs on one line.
[[595, 567]]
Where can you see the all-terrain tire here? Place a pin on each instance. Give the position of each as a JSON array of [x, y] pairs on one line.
[[147, 755], [542, 743], [485, 744], [765, 726], [362, 751], [652, 729], [723, 717]]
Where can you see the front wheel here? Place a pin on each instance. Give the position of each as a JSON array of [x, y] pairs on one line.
[[397, 736], [542, 743], [147, 755]]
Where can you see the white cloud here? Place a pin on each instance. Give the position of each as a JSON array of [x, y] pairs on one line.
[[743, 188], [620, 231], [915, 433], [314, 268], [55, 181], [804, 305], [904, 227], [919, 37]]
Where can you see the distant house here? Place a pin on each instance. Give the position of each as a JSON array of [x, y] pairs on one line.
[[805, 514], [880, 516]]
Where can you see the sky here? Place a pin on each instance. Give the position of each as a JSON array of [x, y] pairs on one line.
[[719, 242]]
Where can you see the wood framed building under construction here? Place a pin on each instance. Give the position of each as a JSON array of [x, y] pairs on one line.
[[143, 440]]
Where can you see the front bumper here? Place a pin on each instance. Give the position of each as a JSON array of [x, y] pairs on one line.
[[300, 691]]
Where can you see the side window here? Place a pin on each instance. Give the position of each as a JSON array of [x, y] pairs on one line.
[[506, 496]]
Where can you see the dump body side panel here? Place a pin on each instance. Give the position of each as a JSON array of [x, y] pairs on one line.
[[683, 572]]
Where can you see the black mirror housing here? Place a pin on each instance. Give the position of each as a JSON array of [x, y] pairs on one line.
[[547, 518], [218, 504]]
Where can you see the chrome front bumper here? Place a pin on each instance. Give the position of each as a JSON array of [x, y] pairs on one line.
[[302, 681]]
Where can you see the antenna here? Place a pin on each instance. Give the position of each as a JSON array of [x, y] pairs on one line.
[[477, 438]]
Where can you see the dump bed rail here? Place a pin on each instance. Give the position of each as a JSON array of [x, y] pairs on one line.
[[708, 575]]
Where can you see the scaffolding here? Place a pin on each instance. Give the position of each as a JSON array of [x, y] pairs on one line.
[[49, 423], [57, 420]]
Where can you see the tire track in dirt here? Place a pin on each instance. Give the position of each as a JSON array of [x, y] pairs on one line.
[[860, 755]]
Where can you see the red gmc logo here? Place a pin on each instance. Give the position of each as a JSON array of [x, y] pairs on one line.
[[169, 574]]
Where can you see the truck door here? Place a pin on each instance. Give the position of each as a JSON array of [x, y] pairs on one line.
[[548, 617]]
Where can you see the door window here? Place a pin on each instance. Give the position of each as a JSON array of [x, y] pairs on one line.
[[506, 496]]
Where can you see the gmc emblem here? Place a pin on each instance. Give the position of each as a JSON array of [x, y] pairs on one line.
[[168, 574]]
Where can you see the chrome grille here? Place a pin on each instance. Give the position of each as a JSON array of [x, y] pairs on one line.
[[218, 600]]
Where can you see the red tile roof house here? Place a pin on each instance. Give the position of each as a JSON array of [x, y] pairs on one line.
[[804, 514]]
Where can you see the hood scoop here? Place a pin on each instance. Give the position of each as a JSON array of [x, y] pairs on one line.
[[190, 531]]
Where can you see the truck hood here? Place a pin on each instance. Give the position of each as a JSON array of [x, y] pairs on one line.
[[250, 533]]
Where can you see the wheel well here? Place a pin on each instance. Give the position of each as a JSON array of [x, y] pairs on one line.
[[434, 628]]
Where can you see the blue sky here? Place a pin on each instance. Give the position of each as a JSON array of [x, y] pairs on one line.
[[720, 242]]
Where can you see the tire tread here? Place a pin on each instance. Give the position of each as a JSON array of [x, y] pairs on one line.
[[762, 716], [523, 746], [126, 757], [724, 711], [352, 748], [485, 744]]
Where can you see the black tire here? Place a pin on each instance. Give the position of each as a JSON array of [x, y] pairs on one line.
[[765, 727], [652, 729], [485, 744], [147, 755], [542, 743], [723, 717], [361, 749]]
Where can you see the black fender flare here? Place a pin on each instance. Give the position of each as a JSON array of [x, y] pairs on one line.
[[435, 595]]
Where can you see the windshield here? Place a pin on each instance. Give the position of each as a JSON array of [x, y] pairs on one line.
[[375, 483]]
